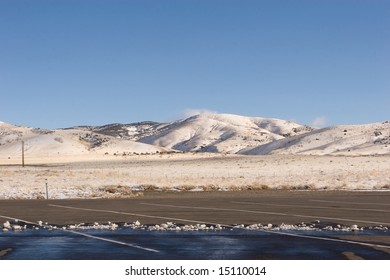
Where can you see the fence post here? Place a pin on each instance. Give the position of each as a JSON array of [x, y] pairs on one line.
[[47, 190], [22, 153]]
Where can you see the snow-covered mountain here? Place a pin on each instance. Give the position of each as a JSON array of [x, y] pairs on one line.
[[368, 139], [218, 133], [221, 133], [205, 132]]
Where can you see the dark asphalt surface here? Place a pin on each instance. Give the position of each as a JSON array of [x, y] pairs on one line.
[[364, 209], [247, 207]]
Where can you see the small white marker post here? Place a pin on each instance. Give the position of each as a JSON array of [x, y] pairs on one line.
[[47, 190], [22, 153]]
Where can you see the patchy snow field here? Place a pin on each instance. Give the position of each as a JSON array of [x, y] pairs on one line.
[[107, 176]]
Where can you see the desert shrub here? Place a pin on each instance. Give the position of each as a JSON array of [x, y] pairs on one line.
[[109, 189], [386, 187], [264, 187], [285, 187], [257, 186], [209, 188], [59, 139], [149, 187], [187, 188], [118, 191], [303, 187]]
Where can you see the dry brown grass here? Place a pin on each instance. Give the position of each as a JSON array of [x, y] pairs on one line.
[[118, 191], [385, 187], [187, 188], [256, 186], [149, 187], [303, 187]]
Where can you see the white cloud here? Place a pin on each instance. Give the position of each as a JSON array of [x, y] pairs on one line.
[[193, 112], [320, 121], [293, 120]]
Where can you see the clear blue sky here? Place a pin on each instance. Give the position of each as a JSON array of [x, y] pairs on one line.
[[72, 62]]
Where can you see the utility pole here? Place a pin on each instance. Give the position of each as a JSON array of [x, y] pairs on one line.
[[22, 153]]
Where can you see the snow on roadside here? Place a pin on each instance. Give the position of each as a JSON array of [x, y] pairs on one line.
[[70, 192], [15, 226]]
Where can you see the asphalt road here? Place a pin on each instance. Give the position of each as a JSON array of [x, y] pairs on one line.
[[247, 207]]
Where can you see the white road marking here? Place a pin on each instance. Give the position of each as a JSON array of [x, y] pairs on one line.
[[112, 241], [269, 213], [86, 235], [14, 219], [311, 207], [329, 239], [346, 202], [227, 226]]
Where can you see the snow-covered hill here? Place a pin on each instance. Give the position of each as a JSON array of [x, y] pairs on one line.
[[221, 133], [133, 131], [218, 133], [64, 142], [368, 139]]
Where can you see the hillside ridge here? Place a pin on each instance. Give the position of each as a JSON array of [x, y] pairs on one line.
[[209, 132]]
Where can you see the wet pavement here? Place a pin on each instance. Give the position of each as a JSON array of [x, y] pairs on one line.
[[153, 245]]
